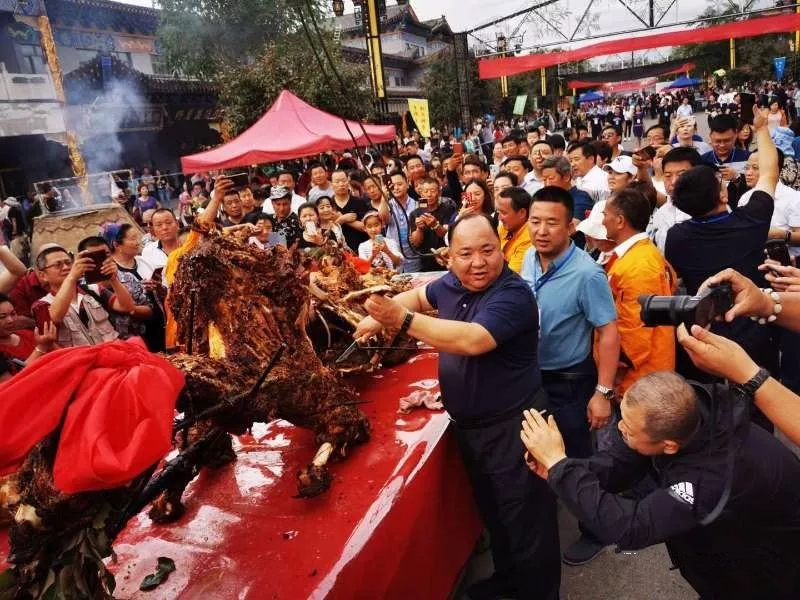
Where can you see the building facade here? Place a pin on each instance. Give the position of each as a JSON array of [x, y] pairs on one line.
[[408, 44], [107, 86]]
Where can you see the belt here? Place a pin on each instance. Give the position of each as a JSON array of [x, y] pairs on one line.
[[566, 376]]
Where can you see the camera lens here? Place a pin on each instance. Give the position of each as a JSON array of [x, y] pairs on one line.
[[665, 310]]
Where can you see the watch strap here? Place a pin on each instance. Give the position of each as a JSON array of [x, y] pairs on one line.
[[407, 321], [751, 387]]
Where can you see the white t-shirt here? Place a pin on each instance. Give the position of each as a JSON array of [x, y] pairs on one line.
[[684, 110], [665, 217], [786, 214], [594, 183], [365, 252], [315, 193], [154, 256]]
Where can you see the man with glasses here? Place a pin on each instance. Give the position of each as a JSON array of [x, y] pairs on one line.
[[612, 137], [541, 150], [80, 310], [724, 154], [656, 135]]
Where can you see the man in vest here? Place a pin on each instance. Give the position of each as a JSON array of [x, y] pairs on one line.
[[79, 310]]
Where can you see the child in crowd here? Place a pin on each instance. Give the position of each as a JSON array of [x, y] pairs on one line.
[[264, 227], [379, 250]]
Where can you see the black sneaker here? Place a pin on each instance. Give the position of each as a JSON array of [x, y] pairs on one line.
[[584, 550]]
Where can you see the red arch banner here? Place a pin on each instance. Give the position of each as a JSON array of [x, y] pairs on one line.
[[491, 68]]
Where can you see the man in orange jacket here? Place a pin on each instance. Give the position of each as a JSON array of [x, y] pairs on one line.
[[636, 267]]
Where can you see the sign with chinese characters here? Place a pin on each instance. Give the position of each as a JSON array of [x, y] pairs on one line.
[[419, 110], [134, 45]]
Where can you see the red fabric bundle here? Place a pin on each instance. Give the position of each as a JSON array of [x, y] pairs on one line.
[[361, 265], [118, 424]]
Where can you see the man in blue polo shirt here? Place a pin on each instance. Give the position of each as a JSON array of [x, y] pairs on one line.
[[487, 337], [574, 301]]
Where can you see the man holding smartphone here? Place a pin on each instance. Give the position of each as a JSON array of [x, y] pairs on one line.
[[429, 222], [80, 311], [724, 155]]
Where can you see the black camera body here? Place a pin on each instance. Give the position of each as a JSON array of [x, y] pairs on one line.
[[690, 310]]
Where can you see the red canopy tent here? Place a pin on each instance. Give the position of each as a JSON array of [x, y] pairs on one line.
[[290, 129]]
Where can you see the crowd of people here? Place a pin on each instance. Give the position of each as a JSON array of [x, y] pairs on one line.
[[546, 242]]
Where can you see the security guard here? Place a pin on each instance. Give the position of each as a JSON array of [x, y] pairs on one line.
[[727, 505]]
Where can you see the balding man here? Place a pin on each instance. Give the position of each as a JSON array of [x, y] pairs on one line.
[[750, 549], [487, 335]]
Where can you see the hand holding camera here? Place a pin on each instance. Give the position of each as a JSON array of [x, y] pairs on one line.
[[717, 355], [708, 305]]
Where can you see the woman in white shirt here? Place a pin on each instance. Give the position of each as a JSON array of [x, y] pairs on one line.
[[380, 251]]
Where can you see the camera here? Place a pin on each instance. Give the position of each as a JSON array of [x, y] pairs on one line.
[[689, 310]]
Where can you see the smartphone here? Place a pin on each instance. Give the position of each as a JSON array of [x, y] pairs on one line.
[[238, 179], [158, 274], [649, 151], [94, 275], [379, 239], [458, 148], [465, 199], [310, 227], [747, 101], [778, 250]]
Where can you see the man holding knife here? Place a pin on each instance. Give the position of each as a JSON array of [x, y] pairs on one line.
[[487, 337]]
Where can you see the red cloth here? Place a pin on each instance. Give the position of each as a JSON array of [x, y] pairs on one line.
[[119, 423], [25, 292], [491, 68], [361, 265], [22, 350], [290, 129]]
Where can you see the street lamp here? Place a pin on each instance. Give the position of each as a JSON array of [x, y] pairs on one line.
[[338, 7]]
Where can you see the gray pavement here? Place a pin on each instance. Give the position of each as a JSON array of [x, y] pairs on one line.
[[610, 576]]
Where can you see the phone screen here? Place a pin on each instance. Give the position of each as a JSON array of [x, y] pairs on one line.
[[94, 275], [747, 103], [458, 148]]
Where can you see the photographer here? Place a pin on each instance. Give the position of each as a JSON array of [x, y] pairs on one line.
[[749, 550], [723, 357]]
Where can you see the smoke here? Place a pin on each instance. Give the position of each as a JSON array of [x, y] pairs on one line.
[[121, 107]]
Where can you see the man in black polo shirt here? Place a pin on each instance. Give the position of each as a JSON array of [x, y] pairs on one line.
[[429, 223], [352, 208], [717, 238], [487, 335]]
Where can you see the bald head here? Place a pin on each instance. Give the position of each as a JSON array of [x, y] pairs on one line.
[[476, 259], [668, 405]]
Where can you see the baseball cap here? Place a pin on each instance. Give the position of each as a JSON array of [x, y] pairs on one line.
[[279, 192], [621, 164], [592, 226]]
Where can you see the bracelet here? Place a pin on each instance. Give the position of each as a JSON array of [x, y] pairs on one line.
[[40, 351], [776, 307]]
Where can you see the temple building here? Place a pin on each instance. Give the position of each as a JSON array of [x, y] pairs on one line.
[[407, 45], [88, 74]]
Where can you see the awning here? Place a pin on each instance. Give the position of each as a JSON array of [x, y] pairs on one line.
[[290, 129]]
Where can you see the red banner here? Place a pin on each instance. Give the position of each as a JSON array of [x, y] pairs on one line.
[[491, 68], [610, 85]]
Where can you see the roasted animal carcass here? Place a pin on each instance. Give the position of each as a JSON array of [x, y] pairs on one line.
[[338, 292]]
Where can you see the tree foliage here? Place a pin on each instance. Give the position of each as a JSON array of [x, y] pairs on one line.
[[198, 36], [246, 91], [253, 49], [440, 87], [753, 55]]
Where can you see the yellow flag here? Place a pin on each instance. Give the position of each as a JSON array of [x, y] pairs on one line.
[[419, 110]]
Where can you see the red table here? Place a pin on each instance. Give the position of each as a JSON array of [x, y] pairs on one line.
[[398, 522]]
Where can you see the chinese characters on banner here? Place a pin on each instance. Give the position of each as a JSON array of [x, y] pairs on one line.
[[419, 110]]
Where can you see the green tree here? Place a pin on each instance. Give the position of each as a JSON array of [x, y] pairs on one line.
[[440, 87], [247, 90], [199, 36], [253, 49]]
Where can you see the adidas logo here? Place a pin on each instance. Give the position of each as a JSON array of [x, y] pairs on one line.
[[683, 491]]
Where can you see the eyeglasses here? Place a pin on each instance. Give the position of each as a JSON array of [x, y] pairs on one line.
[[67, 262]]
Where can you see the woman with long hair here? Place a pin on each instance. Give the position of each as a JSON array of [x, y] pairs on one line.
[[477, 198]]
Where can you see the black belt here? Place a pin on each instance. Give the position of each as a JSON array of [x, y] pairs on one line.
[[566, 376]]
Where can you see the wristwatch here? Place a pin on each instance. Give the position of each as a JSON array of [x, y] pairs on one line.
[[407, 320], [605, 391], [756, 381]]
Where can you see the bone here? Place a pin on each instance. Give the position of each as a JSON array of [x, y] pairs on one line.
[[323, 455]]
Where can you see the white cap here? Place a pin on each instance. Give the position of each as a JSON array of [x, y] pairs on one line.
[[592, 226], [622, 164]]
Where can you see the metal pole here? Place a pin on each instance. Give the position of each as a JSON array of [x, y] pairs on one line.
[[652, 13], [732, 50]]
